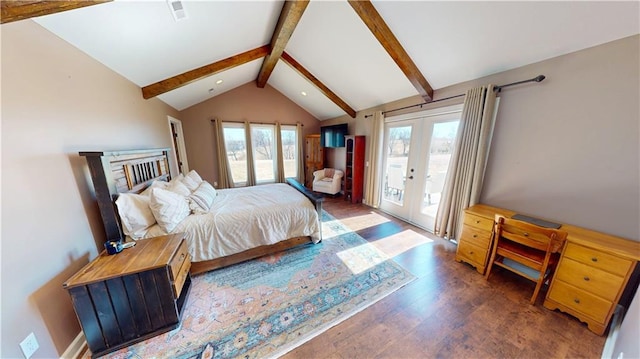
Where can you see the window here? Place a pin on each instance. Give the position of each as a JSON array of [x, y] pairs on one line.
[[236, 146], [263, 143], [289, 150]]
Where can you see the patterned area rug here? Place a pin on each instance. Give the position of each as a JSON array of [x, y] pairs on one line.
[[268, 306]]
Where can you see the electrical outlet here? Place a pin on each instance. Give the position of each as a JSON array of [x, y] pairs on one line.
[[29, 345]]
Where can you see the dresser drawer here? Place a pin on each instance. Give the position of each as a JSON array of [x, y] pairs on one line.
[[178, 260], [478, 222], [592, 280], [474, 254], [580, 301], [593, 258], [479, 237], [181, 276]]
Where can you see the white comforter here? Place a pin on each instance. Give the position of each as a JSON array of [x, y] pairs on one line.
[[244, 218]]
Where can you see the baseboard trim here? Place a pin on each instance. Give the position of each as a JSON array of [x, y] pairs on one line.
[[76, 348]]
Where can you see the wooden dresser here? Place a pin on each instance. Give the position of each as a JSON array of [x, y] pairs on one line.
[[313, 158], [131, 296], [593, 271], [474, 243]]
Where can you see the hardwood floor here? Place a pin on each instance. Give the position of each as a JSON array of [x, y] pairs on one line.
[[449, 311]]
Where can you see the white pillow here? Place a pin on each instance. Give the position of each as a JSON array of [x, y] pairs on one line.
[[192, 180], [135, 214], [201, 199], [168, 208], [155, 184], [179, 187]]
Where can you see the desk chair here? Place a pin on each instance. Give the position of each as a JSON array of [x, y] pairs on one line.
[[526, 249]]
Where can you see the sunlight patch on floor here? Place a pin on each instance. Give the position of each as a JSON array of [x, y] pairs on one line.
[[357, 223], [367, 256], [400, 242], [359, 259]]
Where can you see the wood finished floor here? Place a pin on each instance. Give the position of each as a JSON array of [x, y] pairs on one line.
[[449, 311]]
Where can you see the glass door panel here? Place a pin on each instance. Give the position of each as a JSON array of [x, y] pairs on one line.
[[398, 146], [418, 148], [440, 151]]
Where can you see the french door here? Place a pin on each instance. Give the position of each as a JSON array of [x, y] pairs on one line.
[[417, 150]]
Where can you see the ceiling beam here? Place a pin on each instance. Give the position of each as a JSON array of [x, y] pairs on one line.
[[324, 89], [183, 79], [15, 10], [289, 17], [381, 31]]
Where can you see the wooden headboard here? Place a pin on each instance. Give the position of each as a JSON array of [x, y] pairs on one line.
[[118, 172]]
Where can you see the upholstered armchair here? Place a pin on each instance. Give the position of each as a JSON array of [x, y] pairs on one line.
[[327, 180]]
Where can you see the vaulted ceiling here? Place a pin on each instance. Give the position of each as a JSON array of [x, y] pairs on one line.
[[345, 56]]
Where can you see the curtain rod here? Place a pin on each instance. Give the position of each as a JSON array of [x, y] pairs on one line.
[[496, 88], [263, 123]]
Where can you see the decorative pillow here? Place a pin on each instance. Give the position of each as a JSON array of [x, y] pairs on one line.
[[168, 208], [201, 199], [192, 180], [135, 214]]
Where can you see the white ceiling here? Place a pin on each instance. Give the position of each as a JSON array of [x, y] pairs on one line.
[[450, 42]]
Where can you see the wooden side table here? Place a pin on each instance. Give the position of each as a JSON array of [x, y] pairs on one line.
[[131, 296]]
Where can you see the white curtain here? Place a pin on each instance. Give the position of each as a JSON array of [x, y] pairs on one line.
[[251, 171], [279, 155], [300, 157], [224, 173], [374, 173], [466, 169]]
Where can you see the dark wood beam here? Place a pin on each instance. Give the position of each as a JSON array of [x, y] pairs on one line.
[[183, 79], [15, 10], [387, 39], [289, 17], [325, 90]]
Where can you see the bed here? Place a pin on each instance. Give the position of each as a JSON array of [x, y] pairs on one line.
[[241, 223]]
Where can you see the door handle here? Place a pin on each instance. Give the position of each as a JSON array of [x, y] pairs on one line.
[[410, 177]]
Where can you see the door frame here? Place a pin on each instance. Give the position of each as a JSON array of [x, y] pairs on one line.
[[181, 150], [408, 213]]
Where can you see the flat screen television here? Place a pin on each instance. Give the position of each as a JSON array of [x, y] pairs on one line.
[[333, 136]]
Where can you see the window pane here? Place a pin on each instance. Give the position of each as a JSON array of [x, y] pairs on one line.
[[289, 150], [263, 142], [234, 141]]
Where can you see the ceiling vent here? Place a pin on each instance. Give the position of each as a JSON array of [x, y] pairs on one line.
[[177, 9]]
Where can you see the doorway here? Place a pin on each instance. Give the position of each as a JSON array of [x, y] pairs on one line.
[[177, 143], [417, 150]]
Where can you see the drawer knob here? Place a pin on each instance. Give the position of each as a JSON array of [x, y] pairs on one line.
[[577, 300], [477, 221], [475, 236], [586, 279], [470, 252], [525, 234], [594, 259]]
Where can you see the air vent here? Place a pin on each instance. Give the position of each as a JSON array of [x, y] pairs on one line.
[[177, 9]]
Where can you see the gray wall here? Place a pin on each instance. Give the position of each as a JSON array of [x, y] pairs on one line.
[[57, 101], [566, 149]]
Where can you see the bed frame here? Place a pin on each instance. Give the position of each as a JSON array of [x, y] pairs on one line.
[[132, 171]]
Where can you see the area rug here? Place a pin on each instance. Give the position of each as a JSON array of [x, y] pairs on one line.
[[268, 306]]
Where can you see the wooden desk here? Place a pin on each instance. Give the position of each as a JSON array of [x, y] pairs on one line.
[[136, 294], [593, 271]]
